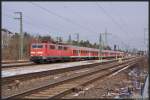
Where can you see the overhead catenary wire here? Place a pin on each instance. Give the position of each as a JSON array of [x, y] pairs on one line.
[[86, 20], [45, 25], [34, 19], [113, 20], [63, 18], [28, 23], [122, 20], [124, 24], [31, 24]]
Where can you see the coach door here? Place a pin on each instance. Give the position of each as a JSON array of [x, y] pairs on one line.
[[46, 47]]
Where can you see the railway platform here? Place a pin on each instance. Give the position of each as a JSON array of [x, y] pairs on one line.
[[40, 68]]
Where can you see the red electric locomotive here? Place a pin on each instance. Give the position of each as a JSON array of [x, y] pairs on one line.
[[49, 52]]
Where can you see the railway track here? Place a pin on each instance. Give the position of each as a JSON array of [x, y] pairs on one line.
[[60, 82]]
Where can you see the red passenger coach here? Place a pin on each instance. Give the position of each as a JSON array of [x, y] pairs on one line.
[[49, 52]]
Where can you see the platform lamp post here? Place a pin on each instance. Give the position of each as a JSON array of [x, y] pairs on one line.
[[69, 40]]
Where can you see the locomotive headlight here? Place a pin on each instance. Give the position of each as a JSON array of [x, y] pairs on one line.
[[40, 52], [32, 52]]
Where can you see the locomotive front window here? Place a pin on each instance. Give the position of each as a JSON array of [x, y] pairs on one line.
[[34, 46], [40, 46], [65, 48], [37, 46]]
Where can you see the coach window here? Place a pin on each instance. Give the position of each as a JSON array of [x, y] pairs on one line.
[[51, 47], [75, 52], [93, 52], [40, 46], [60, 47], [103, 53], [83, 52], [65, 48]]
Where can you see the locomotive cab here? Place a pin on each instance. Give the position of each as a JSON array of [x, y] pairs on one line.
[[38, 52]]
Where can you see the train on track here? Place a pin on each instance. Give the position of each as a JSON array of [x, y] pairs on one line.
[[51, 52]]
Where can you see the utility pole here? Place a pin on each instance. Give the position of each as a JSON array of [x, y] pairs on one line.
[[118, 48], [77, 38], [100, 47], [106, 34], [57, 40], [69, 40], [115, 47], [145, 40], [78, 42], [21, 34], [60, 39]]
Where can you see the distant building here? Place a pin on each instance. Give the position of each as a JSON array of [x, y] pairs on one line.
[[6, 35]]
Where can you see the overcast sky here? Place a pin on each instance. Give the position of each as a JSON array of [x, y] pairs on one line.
[[124, 21]]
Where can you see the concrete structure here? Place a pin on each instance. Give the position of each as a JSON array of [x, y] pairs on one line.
[[146, 89]]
